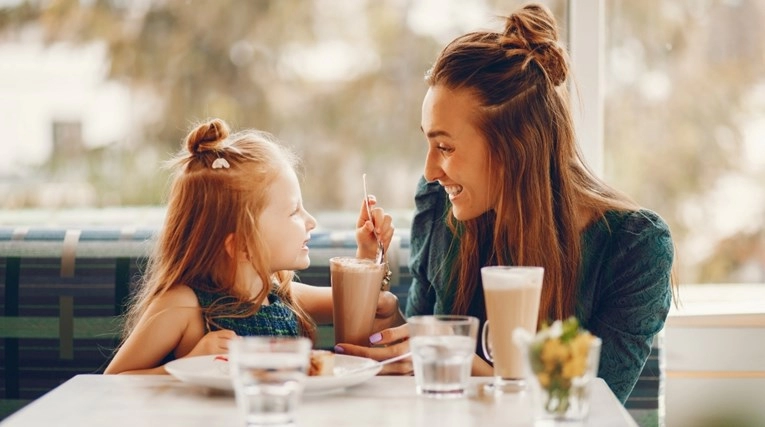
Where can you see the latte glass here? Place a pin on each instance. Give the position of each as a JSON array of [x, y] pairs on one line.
[[512, 301]]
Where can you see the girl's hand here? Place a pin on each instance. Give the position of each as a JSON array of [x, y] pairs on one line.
[[366, 227], [388, 314], [387, 343], [215, 342]]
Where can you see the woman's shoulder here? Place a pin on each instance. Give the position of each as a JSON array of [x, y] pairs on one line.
[[640, 229], [640, 220], [630, 222]]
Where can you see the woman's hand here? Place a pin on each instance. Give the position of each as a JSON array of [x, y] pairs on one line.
[[215, 342], [386, 344], [366, 227]]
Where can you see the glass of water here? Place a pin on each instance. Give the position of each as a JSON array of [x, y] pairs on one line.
[[442, 352], [268, 375]]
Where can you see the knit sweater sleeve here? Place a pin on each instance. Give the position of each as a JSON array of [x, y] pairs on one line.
[[429, 208], [634, 298]]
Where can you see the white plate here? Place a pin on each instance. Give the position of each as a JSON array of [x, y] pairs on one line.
[[206, 371]]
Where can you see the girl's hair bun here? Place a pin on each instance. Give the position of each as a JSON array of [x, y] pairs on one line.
[[207, 136], [533, 30]]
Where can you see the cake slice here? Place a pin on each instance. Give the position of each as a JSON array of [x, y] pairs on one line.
[[322, 363]]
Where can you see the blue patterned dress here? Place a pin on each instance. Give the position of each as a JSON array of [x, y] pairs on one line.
[[624, 291], [272, 319]]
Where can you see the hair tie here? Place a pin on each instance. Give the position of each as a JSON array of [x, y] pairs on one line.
[[220, 163]]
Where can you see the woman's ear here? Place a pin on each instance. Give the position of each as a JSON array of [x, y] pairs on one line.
[[230, 246]]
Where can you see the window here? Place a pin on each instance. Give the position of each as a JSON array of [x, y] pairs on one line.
[[341, 82], [94, 109], [684, 102]]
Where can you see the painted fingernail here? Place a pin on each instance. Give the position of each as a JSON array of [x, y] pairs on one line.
[[374, 339], [339, 349]]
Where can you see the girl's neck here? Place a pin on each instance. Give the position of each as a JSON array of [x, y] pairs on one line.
[[250, 283]]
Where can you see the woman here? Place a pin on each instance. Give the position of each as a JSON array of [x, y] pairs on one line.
[[504, 184]]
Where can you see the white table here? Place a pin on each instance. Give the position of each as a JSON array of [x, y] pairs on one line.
[[163, 401]]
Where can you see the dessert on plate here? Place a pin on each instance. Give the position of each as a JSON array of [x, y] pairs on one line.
[[322, 363]]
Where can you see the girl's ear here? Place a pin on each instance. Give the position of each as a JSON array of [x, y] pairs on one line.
[[232, 252]]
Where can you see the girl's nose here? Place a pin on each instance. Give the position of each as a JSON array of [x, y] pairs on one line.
[[310, 222]]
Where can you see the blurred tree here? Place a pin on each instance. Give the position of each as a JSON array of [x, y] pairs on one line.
[[231, 59], [679, 75]]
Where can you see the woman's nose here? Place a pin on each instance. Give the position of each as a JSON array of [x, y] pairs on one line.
[[433, 169]]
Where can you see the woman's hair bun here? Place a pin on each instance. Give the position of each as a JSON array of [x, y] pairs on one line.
[[534, 30], [207, 136]]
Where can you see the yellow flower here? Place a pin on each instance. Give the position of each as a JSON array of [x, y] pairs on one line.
[[554, 353], [575, 367], [580, 345], [559, 354], [544, 379]]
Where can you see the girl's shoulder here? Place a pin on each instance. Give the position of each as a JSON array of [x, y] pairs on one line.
[[179, 295]]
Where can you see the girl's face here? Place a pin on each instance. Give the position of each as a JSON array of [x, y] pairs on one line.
[[457, 152], [286, 225]]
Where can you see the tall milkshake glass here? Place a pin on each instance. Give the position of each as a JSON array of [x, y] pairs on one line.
[[512, 301]]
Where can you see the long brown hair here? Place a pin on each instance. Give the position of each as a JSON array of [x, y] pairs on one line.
[[543, 183], [207, 204]]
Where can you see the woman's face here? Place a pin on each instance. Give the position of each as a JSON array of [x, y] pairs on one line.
[[457, 152]]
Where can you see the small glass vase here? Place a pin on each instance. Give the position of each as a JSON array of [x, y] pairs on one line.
[[557, 395]]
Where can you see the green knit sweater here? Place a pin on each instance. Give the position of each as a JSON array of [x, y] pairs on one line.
[[623, 295]]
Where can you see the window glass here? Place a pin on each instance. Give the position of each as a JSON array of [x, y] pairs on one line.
[[103, 92], [685, 125]]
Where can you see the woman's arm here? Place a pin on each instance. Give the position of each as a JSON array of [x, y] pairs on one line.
[[633, 306], [428, 247]]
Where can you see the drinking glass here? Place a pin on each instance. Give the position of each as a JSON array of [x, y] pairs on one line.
[[268, 375], [356, 285], [512, 296], [442, 353]]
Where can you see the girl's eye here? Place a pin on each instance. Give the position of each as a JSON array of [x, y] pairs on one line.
[[444, 149]]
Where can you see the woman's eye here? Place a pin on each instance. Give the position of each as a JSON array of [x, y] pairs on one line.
[[443, 149]]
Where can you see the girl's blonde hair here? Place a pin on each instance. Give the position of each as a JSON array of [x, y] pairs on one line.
[[219, 188]]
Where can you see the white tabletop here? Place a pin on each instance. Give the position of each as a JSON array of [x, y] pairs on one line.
[[161, 400]]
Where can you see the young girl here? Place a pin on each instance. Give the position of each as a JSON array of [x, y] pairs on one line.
[[235, 230]]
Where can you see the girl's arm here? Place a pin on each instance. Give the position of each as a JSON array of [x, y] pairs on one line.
[[315, 300], [172, 323]]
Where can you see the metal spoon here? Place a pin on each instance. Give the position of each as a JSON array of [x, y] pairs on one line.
[[380, 257], [380, 363]]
